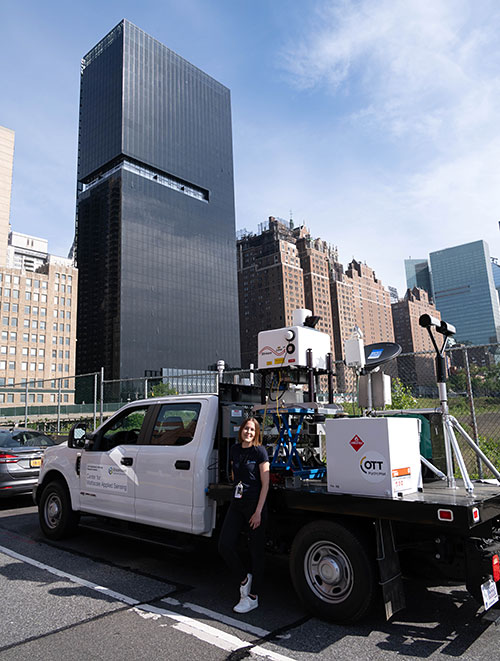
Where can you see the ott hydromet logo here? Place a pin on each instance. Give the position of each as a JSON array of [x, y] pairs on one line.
[[372, 466]]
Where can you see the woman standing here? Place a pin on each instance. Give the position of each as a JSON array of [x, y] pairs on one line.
[[247, 511]]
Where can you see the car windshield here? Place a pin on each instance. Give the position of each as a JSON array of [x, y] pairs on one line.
[[19, 438]]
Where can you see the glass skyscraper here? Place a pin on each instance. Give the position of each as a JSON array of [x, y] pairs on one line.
[[155, 232], [465, 293], [418, 275]]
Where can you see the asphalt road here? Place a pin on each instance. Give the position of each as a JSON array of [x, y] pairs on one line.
[[97, 596]]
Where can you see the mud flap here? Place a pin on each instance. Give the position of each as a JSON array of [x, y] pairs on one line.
[[390, 571]]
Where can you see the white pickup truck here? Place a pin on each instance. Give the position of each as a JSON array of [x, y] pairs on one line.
[[162, 464]]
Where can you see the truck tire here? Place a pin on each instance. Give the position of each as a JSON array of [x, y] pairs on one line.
[[333, 571], [57, 519]]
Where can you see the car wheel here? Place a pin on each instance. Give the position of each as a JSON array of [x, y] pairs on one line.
[[57, 519], [333, 571]]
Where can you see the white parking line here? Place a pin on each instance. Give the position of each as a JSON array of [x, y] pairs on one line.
[[225, 619], [216, 637], [188, 625], [74, 579]]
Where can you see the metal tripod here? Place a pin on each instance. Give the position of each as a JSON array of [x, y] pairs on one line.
[[450, 423]]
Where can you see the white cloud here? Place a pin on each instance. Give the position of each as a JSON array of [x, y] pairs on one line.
[[408, 65], [420, 81]]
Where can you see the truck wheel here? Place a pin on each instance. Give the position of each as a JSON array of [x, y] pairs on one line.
[[57, 519], [333, 571]]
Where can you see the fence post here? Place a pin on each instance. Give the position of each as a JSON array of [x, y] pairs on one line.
[[59, 406], [470, 396], [102, 394], [26, 404], [95, 401], [146, 388]]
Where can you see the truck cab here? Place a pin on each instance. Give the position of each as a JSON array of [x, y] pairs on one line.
[[148, 463]]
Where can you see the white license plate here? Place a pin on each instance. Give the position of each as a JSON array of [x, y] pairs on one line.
[[490, 593]]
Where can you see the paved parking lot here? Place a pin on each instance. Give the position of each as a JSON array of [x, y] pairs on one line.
[[99, 596]]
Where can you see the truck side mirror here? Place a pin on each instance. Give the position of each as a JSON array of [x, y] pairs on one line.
[[77, 435]]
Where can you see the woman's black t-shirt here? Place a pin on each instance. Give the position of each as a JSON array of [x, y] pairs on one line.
[[246, 468]]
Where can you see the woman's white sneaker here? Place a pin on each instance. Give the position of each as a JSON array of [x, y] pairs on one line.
[[245, 589], [246, 604]]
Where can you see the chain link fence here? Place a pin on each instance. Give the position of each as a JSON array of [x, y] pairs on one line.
[[473, 398], [53, 405]]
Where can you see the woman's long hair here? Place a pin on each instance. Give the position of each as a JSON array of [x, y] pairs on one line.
[[257, 438]]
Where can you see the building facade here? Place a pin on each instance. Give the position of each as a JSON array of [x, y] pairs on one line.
[[38, 333], [270, 283], [281, 269], [6, 165], [418, 274], [155, 212], [360, 299], [416, 370], [38, 294], [495, 268], [465, 293]]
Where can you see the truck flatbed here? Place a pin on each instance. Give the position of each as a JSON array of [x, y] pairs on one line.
[[464, 511]]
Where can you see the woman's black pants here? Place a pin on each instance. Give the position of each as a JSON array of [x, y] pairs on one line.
[[236, 521]]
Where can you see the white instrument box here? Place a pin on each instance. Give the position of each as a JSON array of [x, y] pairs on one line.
[[373, 456]]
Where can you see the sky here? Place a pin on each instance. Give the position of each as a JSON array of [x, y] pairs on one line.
[[373, 122]]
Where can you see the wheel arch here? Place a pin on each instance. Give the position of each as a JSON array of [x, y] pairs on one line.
[[55, 476]]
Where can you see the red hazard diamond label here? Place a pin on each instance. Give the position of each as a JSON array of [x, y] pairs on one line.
[[356, 442]]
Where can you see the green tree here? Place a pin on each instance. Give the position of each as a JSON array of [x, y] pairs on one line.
[[402, 396], [162, 389]]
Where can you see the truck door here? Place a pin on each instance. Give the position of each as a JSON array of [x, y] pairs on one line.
[[108, 471], [166, 467]]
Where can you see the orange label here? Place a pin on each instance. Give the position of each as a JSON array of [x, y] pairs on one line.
[[400, 472]]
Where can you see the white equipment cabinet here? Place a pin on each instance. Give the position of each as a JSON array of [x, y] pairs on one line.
[[373, 456]]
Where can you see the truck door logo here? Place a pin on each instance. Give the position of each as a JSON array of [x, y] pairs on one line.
[[356, 443]]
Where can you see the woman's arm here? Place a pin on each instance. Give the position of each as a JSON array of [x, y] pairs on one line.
[[264, 480]]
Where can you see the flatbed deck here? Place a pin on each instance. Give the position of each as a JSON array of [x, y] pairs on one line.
[[468, 511]]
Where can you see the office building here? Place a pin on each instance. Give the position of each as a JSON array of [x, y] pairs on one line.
[[418, 274], [281, 269], [495, 269], [415, 370], [465, 293], [38, 295], [270, 283], [6, 165], [155, 227], [26, 252], [360, 299], [317, 257], [393, 294], [38, 325]]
